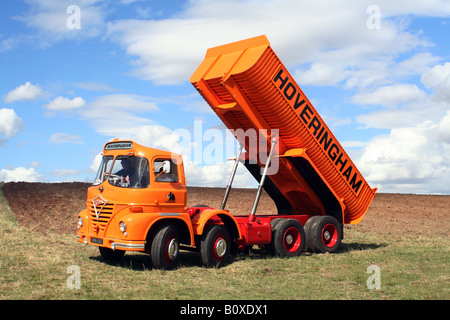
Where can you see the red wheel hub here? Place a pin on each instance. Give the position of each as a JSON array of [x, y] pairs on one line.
[[329, 235], [292, 239], [220, 247]]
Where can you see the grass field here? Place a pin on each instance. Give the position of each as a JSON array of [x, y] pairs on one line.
[[35, 266]]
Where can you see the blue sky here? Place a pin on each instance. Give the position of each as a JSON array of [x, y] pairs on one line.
[[377, 71]]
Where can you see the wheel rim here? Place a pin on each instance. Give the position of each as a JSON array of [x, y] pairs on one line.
[[220, 247], [292, 239], [329, 235], [172, 249]]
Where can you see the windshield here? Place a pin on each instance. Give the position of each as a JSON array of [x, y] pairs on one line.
[[103, 170], [124, 171]]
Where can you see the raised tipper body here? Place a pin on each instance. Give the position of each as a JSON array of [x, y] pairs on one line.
[[248, 87]]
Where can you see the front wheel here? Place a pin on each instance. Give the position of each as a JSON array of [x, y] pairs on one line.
[[215, 246], [165, 250]]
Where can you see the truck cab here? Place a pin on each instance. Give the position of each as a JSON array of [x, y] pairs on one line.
[[136, 188]]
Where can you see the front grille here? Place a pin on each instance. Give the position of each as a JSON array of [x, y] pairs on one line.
[[104, 213]]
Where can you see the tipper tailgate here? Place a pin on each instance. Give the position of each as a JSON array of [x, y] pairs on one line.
[[248, 87]]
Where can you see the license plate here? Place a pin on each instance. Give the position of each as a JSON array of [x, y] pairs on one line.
[[97, 240]]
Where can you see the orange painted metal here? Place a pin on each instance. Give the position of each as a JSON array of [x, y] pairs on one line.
[[248, 87], [140, 208]]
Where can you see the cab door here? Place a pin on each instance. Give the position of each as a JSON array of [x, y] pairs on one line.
[[168, 182]]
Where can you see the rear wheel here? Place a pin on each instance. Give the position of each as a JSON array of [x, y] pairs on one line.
[[288, 238], [324, 234], [215, 246], [165, 250]]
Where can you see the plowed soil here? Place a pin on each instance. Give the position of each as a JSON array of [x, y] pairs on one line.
[[54, 207]]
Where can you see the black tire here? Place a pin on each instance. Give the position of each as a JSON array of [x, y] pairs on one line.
[[215, 246], [110, 254], [165, 250], [269, 247], [307, 227], [324, 234], [274, 222], [288, 238]]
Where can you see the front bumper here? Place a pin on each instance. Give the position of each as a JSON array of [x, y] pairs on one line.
[[112, 243]]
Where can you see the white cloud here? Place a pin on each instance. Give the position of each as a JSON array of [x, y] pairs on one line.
[[60, 137], [407, 157], [24, 92], [96, 162], [322, 74], [159, 137], [10, 124], [418, 64], [443, 131], [62, 103], [393, 118], [438, 79], [118, 114], [413, 156], [331, 36], [406, 105], [172, 62], [390, 95], [20, 174]]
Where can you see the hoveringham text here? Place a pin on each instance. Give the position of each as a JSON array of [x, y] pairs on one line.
[[318, 129]]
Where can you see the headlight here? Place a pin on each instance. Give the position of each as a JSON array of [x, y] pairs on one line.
[[122, 226], [80, 223]]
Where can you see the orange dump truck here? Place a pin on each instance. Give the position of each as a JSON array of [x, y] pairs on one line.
[[138, 200]]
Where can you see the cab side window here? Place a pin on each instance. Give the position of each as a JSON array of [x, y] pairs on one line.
[[165, 170]]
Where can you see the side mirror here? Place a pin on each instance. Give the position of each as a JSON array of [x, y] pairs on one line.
[[166, 166]]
